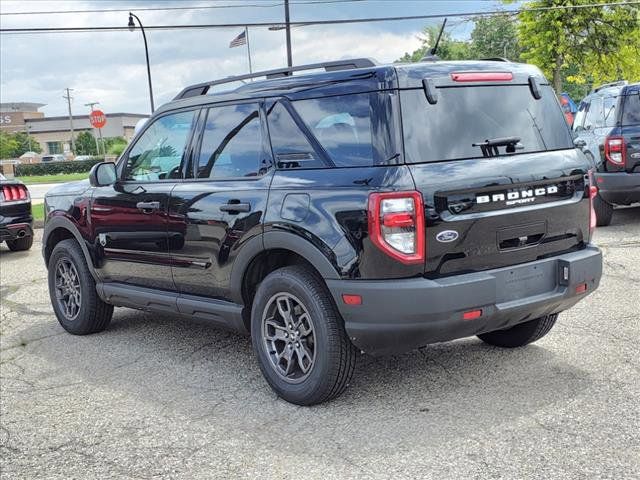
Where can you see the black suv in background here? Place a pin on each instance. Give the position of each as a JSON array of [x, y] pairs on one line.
[[358, 207], [607, 129], [16, 222]]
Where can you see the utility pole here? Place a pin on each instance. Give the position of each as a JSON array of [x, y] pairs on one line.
[[68, 97], [90, 105], [288, 27]]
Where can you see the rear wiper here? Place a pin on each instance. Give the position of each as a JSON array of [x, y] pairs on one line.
[[490, 146]]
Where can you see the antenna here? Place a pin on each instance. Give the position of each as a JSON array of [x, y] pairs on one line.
[[433, 51]]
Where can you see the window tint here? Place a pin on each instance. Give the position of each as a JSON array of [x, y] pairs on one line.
[[291, 148], [594, 117], [609, 111], [580, 114], [467, 115], [343, 127], [157, 153], [631, 109], [232, 143]]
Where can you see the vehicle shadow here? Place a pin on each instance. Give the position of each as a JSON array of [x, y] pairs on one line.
[[200, 373]]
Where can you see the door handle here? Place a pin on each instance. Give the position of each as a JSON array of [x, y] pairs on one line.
[[148, 207], [235, 207]]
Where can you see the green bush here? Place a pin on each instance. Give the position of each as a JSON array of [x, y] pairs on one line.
[[53, 168]]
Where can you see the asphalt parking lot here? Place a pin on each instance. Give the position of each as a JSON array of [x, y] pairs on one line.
[[155, 396]]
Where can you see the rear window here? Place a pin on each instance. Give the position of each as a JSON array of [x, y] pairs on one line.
[[631, 110], [463, 116]]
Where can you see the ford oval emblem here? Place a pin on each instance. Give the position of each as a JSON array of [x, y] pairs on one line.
[[447, 236]]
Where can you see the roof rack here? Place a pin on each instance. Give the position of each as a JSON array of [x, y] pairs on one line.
[[203, 88], [619, 83]]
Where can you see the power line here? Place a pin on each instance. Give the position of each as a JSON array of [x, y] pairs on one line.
[[38, 30], [190, 7]]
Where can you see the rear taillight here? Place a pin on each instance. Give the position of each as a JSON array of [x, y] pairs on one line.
[[482, 76], [14, 193], [593, 192], [614, 150], [396, 225]]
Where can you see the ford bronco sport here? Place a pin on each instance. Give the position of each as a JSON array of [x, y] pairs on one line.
[[607, 129], [359, 208]]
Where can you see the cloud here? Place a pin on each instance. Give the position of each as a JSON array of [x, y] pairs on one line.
[[110, 67]]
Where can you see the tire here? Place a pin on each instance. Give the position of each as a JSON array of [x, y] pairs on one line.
[[333, 355], [88, 314], [521, 334], [604, 211], [20, 244]]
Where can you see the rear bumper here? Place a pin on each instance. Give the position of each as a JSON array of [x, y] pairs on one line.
[[11, 229], [620, 188], [399, 315]]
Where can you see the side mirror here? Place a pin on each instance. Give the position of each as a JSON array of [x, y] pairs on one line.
[[579, 143], [103, 174]]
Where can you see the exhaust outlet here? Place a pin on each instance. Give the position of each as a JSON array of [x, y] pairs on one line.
[[22, 233]]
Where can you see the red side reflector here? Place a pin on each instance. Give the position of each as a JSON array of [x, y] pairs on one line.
[[482, 77], [472, 314], [351, 299], [581, 288]]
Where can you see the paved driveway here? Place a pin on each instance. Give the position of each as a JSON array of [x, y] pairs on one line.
[[158, 397]]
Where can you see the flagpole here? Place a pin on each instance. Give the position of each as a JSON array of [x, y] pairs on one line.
[[246, 34]]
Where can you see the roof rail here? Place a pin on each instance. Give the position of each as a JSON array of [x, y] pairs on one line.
[[203, 88], [619, 83], [495, 59]]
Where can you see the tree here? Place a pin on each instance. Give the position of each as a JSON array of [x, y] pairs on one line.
[[448, 49], [26, 143], [12, 145], [599, 43], [86, 144], [8, 145], [495, 36], [115, 145]]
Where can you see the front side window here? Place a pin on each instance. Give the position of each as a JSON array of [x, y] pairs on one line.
[[158, 152], [343, 126], [580, 114], [232, 143]]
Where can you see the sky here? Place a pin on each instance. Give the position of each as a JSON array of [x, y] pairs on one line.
[[110, 68]]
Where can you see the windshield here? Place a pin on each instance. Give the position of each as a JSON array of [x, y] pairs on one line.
[[467, 120]]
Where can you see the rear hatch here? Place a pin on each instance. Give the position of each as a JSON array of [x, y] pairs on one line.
[[492, 155]]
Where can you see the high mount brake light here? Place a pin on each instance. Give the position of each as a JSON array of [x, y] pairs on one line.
[[15, 193], [396, 225], [615, 151], [482, 76]]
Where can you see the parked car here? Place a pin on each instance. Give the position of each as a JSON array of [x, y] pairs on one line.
[[607, 129], [16, 222], [53, 158], [81, 158], [364, 208]]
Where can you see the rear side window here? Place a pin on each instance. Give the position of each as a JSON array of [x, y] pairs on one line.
[[291, 148], [631, 109], [464, 116], [343, 126], [231, 142]]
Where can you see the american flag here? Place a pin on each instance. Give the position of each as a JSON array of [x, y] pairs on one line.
[[239, 40]]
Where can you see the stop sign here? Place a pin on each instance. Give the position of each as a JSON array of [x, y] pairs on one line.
[[97, 119]]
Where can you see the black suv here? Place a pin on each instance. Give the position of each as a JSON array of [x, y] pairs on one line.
[[360, 208], [607, 129]]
